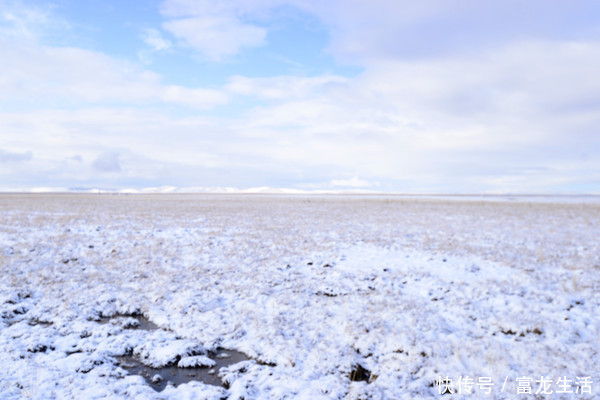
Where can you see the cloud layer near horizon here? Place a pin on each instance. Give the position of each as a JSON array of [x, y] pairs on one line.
[[453, 96]]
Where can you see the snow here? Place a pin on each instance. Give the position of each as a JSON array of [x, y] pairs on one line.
[[196, 361], [309, 287]]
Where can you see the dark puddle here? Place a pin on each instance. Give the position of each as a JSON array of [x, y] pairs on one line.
[[158, 378]]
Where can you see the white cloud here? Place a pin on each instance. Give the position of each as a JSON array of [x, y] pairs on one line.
[[455, 122], [282, 87], [240, 8], [32, 72], [388, 30], [199, 98], [27, 22], [72, 75], [521, 115], [215, 29], [508, 120], [14, 157], [154, 39], [354, 182], [216, 37], [107, 162], [408, 30], [155, 43]]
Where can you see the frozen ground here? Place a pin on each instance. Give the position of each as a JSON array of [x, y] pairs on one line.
[[309, 287]]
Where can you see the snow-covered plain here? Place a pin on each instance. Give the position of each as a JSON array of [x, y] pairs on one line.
[[309, 287]]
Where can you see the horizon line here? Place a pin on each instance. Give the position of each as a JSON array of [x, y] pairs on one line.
[[279, 191]]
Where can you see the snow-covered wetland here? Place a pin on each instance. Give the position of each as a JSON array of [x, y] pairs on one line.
[[330, 297]]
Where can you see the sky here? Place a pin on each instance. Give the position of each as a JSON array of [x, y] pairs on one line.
[[434, 96]]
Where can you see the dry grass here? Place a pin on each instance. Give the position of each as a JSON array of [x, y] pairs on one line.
[[526, 234]]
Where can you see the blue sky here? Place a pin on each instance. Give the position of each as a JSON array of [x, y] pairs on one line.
[[454, 96]]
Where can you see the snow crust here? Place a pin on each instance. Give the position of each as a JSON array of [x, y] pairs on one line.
[[309, 287], [196, 361]]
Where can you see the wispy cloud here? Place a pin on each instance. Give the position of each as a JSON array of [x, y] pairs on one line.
[[216, 37], [14, 157], [73, 75], [216, 30], [155, 43], [453, 96], [354, 182], [409, 30], [155, 40], [107, 162], [282, 87], [25, 22]]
